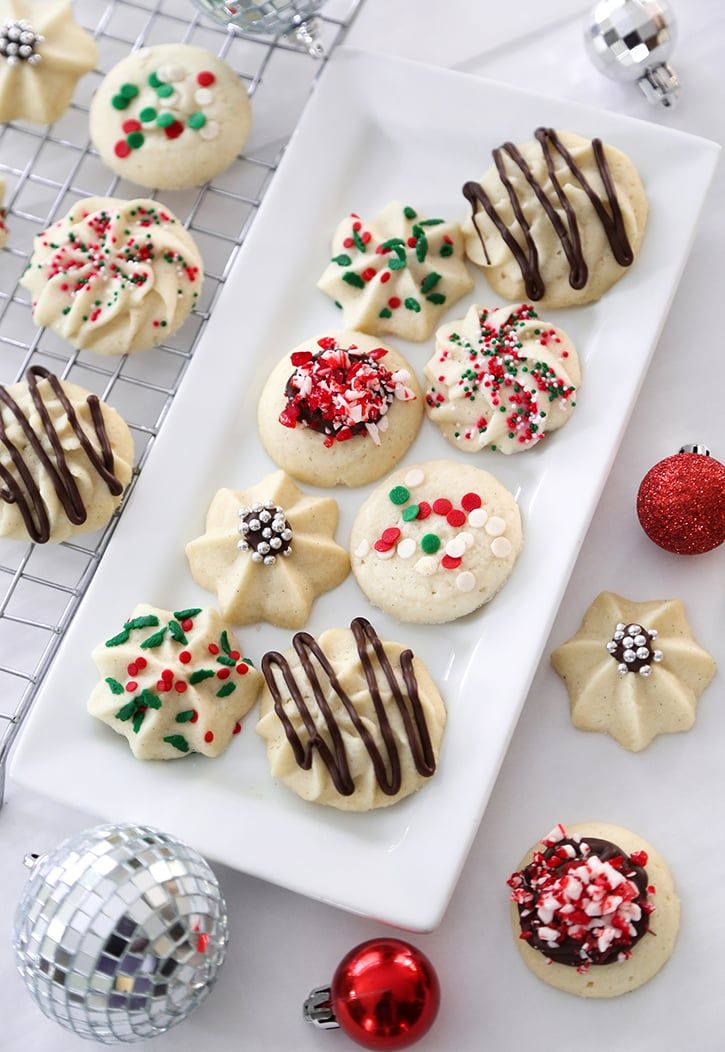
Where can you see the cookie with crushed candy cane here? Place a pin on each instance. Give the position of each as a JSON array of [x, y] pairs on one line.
[[435, 541], [340, 409]]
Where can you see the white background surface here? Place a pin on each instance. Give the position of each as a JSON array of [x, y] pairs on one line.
[[281, 944]]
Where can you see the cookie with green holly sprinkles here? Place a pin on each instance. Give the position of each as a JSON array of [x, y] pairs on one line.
[[113, 276], [397, 273], [170, 116], [173, 683], [435, 541]]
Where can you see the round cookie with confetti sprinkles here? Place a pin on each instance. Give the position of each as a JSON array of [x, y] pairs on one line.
[[340, 409], [435, 541], [397, 273], [501, 379], [170, 116], [173, 683], [116, 277]]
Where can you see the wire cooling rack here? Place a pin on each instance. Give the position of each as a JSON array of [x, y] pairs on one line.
[[47, 170]]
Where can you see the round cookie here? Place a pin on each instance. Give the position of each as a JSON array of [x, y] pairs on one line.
[[343, 408], [268, 552], [501, 378], [396, 274], [173, 683], [65, 459], [43, 53], [350, 721], [170, 116], [634, 949], [435, 541], [563, 227], [113, 276]]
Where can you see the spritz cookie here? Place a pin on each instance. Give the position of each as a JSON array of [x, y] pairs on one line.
[[170, 116], [173, 683], [556, 220], [43, 54], [501, 379], [343, 408], [116, 277], [398, 273], [435, 541], [594, 910], [350, 721], [268, 551]]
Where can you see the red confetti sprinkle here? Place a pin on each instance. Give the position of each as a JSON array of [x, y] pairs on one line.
[[174, 130], [131, 686], [242, 669], [213, 648], [132, 669], [412, 242], [381, 546], [424, 510], [237, 728], [348, 242], [449, 563], [368, 274], [234, 655], [205, 78], [194, 717], [184, 657], [141, 662], [471, 501], [209, 736], [131, 126], [456, 517], [180, 687], [394, 302], [223, 673], [390, 535], [385, 277], [442, 506], [121, 148], [187, 624], [162, 685], [168, 675]]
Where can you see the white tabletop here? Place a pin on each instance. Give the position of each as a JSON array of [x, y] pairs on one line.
[[283, 945]]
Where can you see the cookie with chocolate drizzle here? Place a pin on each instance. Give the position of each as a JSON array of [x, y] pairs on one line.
[[350, 721], [556, 220]]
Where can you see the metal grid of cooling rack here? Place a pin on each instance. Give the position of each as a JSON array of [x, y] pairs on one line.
[[46, 171]]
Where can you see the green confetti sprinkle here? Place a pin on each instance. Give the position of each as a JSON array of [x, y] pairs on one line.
[[446, 249], [412, 304], [224, 642], [178, 741], [201, 674], [410, 513], [186, 716], [154, 80], [228, 661], [165, 120], [127, 710], [226, 690], [116, 641], [399, 495], [431, 222], [119, 103], [360, 244], [147, 114], [181, 615], [410, 213], [128, 91], [164, 91], [385, 313], [396, 264], [135, 139], [436, 297], [177, 632], [145, 621], [196, 120], [430, 281], [353, 279], [342, 260], [430, 543], [116, 687], [154, 640]]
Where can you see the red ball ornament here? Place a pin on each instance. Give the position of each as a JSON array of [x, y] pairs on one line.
[[681, 502], [384, 995]]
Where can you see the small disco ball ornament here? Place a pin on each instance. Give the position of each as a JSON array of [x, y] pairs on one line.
[[632, 40], [293, 18], [121, 932]]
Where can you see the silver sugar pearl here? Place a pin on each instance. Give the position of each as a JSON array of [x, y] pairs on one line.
[[266, 533], [620, 626], [244, 510], [646, 670], [634, 630], [244, 528], [628, 656], [286, 535], [652, 632], [627, 641], [611, 646], [619, 635], [640, 640], [270, 560], [256, 557], [286, 553], [255, 525], [622, 670], [657, 656], [263, 548], [642, 653], [265, 516], [275, 543], [243, 546], [270, 504]]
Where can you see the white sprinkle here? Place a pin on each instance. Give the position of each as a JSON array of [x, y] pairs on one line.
[[467, 538], [210, 130], [175, 73], [385, 555], [406, 548], [203, 96], [465, 582], [456, 547], [362, 549], [414, 477], [477, 518], [495, 526], [426, 566], [501, 547]]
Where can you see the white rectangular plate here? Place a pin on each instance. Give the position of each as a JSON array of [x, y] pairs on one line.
[[375, 130]]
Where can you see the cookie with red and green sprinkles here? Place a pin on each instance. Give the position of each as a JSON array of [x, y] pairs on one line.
[[397, 273], [113, 276], [501, 378], [435, 541], [173, 682], [170, 116]]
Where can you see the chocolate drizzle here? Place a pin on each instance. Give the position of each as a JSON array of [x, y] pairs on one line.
[[333, 755], [22, 488], [526, 255]]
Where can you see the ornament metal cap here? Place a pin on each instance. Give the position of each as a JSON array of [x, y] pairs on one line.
[[317, 1009], [695, 448], [632, 40]]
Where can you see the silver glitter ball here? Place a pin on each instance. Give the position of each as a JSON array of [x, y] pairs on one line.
[[632, 40], [646, 670], [243, 546], [121, 932]]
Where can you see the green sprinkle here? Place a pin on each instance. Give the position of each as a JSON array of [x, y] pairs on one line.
[[431, 222], [66, 310], [393, 242], [145, 621], [149, 699], [337, 304], [127, 710], [196, 120], [446, 249], [154, 640], [226, 690], [353, 279], [177, 632], [430, 281], [430, 543], [119, 103], [178, 741], [410, 213], [116, 641], [186, 716], [412, 304], [358, 241], [181, 615], [436, 297], [128, 91], [228, 661], [135, 140], [165, 120], [399, 495], [154, 80], [396, 264], [248, 661], [201, 674], [116, 687], [342, 260], [138, 720], [410, 513], [147, 114], [164, 90], [385, 313], [224, 642]]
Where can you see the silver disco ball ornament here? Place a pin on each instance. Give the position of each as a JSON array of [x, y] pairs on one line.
[[633, 40], [121, 932]]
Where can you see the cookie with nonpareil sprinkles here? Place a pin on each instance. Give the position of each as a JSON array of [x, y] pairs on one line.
[[170, 116], [173, 683], [340, 409], [397, 273], [594, 910], [501, 379], [435, 541], [113, 276]]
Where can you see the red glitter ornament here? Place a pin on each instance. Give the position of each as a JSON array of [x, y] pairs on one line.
[[681, 502], [384, 995]]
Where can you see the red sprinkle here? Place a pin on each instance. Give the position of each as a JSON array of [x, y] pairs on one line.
[[471, 501], [368, 274], [450, 563], [174, 130], [184, 657], [456, 517], [213, 648], [180, 687], [382, 546], [132, 669], [385, 276], [223, 673], [131, 126], [209, 736], [162, 685], [168, 675], [187, 624], [121, 148], [442, 506], [205, 78], [242, 669], [141, 662], [237, 728], [394, 302], [194, 717], [348, 242], [390, 535], [424, 510], [131, 686], [234, 655]]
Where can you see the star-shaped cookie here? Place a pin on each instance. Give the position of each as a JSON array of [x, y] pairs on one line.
[[633, 670], [268, 552]]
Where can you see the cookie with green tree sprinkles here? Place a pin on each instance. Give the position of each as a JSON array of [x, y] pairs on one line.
[[170, 116], [396, 273], [114, 276], [435, 541], [501, 378], [173, 682]]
